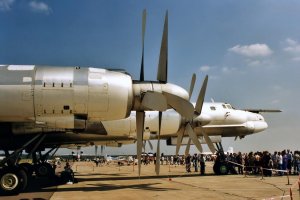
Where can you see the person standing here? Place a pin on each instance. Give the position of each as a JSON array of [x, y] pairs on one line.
[[239, 161], [188, 163], [195, 162], [284, 161], [280, 161], [202, 164], [289, 161]]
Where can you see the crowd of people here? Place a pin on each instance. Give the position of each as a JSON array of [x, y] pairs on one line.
[[276, 163], [196, 161], [279, 162]]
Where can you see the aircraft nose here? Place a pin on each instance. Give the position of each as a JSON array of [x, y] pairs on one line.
[[260, 126], [256, 126], [254, 117]]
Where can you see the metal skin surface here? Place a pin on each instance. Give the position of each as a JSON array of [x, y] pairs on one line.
[[71, 98], [229, 122], [221, 122], [57, 97]]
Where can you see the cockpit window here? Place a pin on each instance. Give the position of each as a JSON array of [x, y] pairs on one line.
[[228, 106], [213, 108]]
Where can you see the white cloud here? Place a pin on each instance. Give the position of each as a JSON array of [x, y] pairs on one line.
[[40, 7], [296, 58], [228, 69], [254, 63], [291, 42], [259, 62], [204, 68], [292, 46], [253, 50], [5, 5]]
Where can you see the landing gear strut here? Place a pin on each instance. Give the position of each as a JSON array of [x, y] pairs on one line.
[[221, 166], [14, 177], [41, 167]]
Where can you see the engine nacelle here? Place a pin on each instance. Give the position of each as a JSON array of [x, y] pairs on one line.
[[63, 97]]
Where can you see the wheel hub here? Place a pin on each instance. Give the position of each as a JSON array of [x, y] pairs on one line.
[[9, 181], [223, 169], [43, 171]]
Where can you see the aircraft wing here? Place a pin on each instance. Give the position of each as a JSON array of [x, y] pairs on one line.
[[262, 110], [224, 126]]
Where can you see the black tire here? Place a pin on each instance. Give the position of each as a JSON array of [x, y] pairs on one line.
[[44, 170], [28, 168], [13, 180], [216, 168], [24, 177], [221, 168]]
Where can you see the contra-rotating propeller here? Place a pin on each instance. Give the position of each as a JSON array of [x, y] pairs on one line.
[[154, 100], [187, 129]]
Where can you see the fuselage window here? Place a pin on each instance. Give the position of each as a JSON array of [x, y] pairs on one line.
[[213, 108], [224, 106], [229, 106]]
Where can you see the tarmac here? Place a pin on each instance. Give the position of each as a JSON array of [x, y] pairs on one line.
[[122, 182]]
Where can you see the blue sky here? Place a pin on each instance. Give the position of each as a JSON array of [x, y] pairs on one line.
[[249, 49]]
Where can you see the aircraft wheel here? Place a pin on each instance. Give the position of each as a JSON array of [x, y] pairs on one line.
[[216, 168], [223, 169], [12, 180], [220, 168], [28, 168], [44, 170]]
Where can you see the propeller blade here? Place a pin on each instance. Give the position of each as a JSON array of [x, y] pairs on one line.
[[155, 101], [193, 136], [192, 85], [201, 96], [157, 165], [143, 41], [179, 139], [150, 145], [182, 106], [187, 149], [140, 119], [209, 142], [162, 73]]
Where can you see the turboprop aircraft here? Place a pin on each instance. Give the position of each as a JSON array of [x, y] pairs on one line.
[[72, 99], [216, 120]]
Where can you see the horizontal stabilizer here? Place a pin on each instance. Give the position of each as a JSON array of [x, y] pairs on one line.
[[261, 110]]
